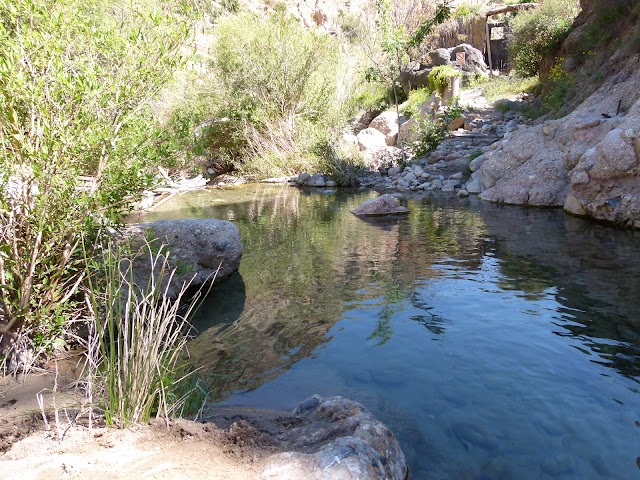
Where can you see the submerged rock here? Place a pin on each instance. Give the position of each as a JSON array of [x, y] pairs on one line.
[[336, 438], [382, 205], [201, 250]]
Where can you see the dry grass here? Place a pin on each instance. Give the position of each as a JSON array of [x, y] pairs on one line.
[[137, 336]]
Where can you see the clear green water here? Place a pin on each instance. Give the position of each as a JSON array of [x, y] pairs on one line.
[[497, 342]]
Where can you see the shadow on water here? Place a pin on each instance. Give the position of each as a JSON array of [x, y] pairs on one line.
[[227, 300], [497, 342]]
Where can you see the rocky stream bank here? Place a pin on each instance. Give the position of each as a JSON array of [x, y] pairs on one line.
[[587, 162]]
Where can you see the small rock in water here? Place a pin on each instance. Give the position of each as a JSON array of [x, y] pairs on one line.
[[383, 205]]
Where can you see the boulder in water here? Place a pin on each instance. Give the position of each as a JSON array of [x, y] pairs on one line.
[[382, 205]]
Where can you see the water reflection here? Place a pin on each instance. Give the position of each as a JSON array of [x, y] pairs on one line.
[[498, 342]]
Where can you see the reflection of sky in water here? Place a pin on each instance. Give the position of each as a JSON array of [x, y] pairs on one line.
[[496, 342]]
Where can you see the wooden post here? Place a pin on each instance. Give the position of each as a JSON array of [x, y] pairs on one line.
[[488, 35]]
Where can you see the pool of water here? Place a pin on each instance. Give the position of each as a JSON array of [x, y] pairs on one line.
[[497, 342]]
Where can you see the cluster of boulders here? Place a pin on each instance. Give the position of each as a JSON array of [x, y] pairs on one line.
[[414, 75], [314, 180], [444, 169], [587, 162], [447, 167]]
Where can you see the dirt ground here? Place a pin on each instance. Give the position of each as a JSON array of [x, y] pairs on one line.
[[231, 446]]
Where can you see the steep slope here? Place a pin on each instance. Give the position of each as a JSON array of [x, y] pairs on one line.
[[587, 161]]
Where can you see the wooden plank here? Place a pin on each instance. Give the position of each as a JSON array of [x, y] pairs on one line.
[[511, 8]]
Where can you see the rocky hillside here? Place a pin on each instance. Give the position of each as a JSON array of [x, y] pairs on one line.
[[588, 161]]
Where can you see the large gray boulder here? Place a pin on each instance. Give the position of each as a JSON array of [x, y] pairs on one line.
[[201, 250], [537, 176], [371, 139], [336, 439], [383, 158], [605, 184], [440, 56], [382, 205], [474, 60], [413, 76]]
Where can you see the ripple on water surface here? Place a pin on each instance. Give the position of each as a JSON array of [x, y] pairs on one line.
[[497, 342]]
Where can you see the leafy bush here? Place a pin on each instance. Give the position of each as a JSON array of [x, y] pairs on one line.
[[351, 26], [73, 101], [556, 87], [344, 164], [431, 132], [439, 78], [536, 33], [278, 88], [465, 10], [415, 101], [370, 96]]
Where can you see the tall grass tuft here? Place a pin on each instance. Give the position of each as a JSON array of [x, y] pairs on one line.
[[136, 338]]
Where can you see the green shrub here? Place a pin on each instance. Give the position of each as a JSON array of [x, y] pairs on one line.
[[556, 87], [278, 87], [351, 26], [370, 96], [431, 133], [415, 101], [137, 335], [536, 33], [73, 101], [344, 165], [439, 78], [465, 10]]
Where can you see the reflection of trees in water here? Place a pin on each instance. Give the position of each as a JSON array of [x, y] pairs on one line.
[[393, 298], [610, 338], [525, 274], [307, 255], [432, 322]]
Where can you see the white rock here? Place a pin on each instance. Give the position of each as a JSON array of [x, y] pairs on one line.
[[371, 139], [387, 123]]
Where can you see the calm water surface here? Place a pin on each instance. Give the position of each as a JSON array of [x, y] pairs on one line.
[[497, 342]]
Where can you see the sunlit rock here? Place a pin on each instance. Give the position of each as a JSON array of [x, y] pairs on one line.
[[382, 205]]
